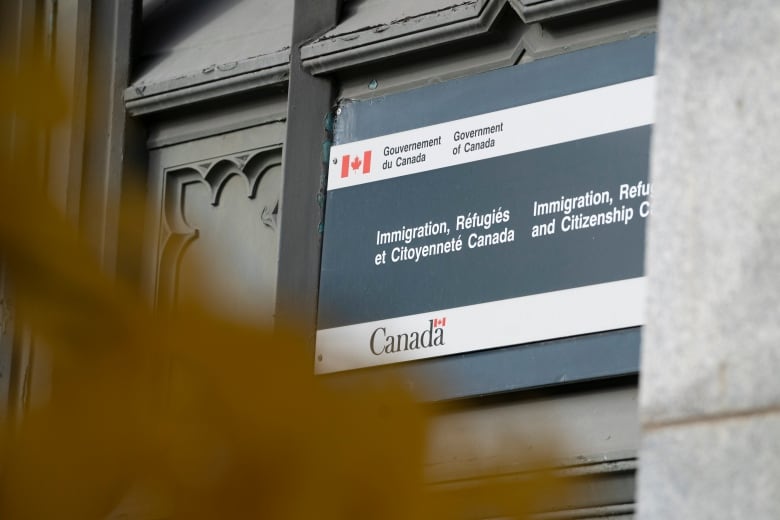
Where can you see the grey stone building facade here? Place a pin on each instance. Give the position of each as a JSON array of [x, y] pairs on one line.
[[221, 111]]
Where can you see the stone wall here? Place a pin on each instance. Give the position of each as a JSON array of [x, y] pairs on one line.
[[709, 390]]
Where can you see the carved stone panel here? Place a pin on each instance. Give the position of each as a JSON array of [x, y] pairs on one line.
[[219, 234]]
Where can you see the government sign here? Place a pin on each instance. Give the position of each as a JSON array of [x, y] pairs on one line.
[[501, 209]]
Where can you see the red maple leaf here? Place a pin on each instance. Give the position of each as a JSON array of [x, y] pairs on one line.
[[355, 164]]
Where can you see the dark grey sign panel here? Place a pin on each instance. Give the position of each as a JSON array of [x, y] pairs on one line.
[[355, 290], [502, 209]]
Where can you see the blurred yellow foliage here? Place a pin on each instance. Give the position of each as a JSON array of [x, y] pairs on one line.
[[199, 417]]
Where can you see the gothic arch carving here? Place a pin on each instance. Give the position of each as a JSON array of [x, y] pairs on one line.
[[254, 176]]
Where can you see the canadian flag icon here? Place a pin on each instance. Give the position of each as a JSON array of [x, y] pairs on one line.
[[356, 164], [440, 322]]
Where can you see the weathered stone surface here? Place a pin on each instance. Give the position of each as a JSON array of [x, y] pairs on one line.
[[712, 340], [726, 469]]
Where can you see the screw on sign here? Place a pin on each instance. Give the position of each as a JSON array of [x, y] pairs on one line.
[[355, 164]]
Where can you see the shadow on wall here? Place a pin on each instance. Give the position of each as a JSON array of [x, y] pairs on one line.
[[165, 22]]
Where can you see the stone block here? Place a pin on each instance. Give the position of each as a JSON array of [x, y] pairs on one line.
[[711, 344], [716, 469]]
